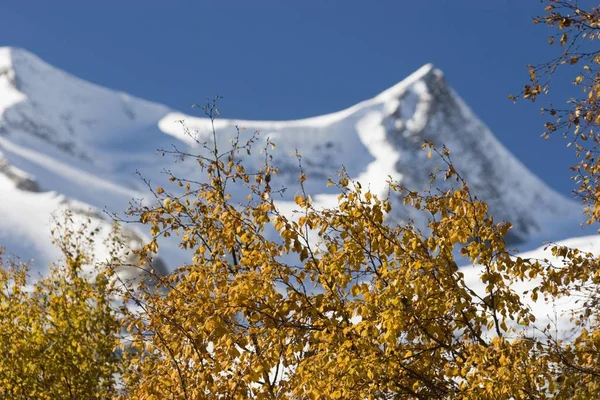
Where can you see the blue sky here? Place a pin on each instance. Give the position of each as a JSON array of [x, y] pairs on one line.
[[287, 60]]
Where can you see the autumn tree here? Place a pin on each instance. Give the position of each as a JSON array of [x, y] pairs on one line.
[[328, 303], [59, 335]]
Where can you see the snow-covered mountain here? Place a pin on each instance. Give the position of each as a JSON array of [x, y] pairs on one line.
[[65, 142]]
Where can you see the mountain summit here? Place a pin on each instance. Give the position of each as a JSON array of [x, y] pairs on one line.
[[65, 142]]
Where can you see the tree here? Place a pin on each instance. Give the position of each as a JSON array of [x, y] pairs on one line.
[[333, 303], [58, 336]]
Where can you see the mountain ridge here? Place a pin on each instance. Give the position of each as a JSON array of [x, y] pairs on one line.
[[76, 142]]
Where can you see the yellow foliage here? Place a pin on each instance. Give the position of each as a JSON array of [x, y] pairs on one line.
[[59, 336]]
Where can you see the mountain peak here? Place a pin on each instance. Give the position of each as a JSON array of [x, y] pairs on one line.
[[425, 70], [427, 74]]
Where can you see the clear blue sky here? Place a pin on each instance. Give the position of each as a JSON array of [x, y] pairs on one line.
[[294, 59]]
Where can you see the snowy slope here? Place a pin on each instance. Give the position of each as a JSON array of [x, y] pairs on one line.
[[555, 312], [65, 142]]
